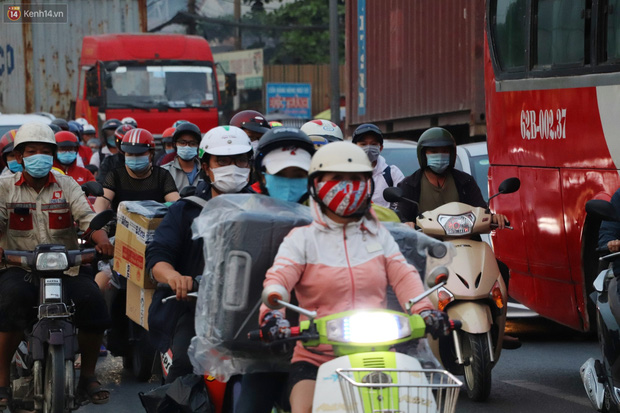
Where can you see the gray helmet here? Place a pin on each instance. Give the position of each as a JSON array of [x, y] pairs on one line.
[[435, 138]]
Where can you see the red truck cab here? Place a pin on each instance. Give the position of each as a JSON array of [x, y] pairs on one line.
[[156, 79]]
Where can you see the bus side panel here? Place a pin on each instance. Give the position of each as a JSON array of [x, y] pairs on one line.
[[536, 251]]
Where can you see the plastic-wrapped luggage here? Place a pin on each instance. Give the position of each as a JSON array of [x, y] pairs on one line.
[[242, 234]]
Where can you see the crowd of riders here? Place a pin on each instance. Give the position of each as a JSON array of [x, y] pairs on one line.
[[341, 181]]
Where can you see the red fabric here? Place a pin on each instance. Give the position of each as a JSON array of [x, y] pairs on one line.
[[50, 180], [169, 157], [20, 222], [256, 188], [79, 174], [59, 220], [85, 153]]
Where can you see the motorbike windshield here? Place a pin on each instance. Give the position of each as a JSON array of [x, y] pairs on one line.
[[150, 86]]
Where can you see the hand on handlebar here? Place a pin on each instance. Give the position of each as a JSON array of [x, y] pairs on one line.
[[613, 246], [275, 327], [181, 285], [437, 323], [500, 220]]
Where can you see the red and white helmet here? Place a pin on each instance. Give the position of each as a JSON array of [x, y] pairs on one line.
[[323, 129], [137, 141]]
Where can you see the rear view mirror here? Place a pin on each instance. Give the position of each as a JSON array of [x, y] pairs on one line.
[[393, 194], [92, 188], [509, 186], [101, 219], [601, 209]]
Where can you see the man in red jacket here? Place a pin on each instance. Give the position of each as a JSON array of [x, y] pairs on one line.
[[66, 156]]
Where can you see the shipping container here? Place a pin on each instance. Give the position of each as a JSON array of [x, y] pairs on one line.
[[411, 65], [39, 61]]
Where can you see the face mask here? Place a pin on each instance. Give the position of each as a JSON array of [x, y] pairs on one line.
[[372, 151], [230, 179], [343, 198], [137, 163], [169, 150], [438, 162], [111, 140], [39, 165], [66, 158], [15, 167], [187, 152], [286, 189]]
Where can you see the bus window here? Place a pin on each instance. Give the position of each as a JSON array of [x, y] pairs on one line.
[[509, 17], [613, 30], [560, 32]]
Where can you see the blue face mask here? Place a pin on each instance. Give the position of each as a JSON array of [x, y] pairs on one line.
[[111, 140], [66, 158], [438, 162], [38, 165], [15, 167], [286, 189], [187, 152], [137, 163], [169, 150]]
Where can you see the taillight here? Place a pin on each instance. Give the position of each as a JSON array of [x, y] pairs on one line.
[[496, 295], [444, 297]]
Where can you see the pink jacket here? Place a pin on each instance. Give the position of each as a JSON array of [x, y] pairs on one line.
[[335, 268]]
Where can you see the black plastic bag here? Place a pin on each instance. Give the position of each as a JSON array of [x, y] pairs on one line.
[[187, 394]]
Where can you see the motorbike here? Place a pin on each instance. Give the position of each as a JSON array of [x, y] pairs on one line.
[[371, 377], [601, 377], [42, 370], [474, 291]]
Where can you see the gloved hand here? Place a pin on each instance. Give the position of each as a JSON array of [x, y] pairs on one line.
[[275, 326], [437, 323]]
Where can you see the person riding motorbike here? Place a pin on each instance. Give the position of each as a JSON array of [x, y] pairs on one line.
[[185, 168], [6, 150], [174, 259], [109, 146], [40, 207], [344, 260], [168, 145], [322, 132], [370, 139], [84, 152], [117, 159], [253, 124], [66, 158]]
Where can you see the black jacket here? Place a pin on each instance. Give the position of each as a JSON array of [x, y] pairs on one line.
[[469, 193]]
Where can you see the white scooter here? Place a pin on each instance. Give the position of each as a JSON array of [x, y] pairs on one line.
[[474, 291], [372, 378]]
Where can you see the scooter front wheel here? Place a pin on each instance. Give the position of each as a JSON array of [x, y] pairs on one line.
[[54, 385], [477, 366]]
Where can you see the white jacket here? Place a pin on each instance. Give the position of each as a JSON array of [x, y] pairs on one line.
[[381, 184]]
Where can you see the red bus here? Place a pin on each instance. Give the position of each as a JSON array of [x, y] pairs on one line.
[[156, 79], [552, 84]]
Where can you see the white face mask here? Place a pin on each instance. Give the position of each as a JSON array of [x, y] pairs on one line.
[[230, 179]]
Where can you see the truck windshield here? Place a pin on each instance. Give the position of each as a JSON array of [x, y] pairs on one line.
[[157, 86]]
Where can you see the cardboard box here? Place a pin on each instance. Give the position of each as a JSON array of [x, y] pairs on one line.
[[138, 303], [135, 228]]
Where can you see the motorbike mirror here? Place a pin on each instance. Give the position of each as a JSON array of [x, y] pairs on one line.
[[274, 293], [393, 194], [509, 186], [101, 219], [601, 209], [437, 276], [92, 188]]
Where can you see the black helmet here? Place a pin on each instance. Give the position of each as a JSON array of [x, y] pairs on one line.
[[54, 127], [250, 120], [61, 123], [187, 128], [367, 128], [111, 124], [281, 137], [436, 138]]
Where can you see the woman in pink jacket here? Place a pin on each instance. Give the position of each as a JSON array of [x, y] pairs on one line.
[[344, 260]]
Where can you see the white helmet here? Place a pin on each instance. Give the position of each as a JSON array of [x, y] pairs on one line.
[[34, 132], [324, 129], [88, 128], [224, 141], [129, 121], [340, 157], [82, 122]]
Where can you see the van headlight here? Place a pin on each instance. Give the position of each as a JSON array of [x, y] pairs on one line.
[[367, 327], [457, 224], [52, 261]]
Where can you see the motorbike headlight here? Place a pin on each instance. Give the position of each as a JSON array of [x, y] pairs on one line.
[[457, 224], [368, 327], [52, 261]]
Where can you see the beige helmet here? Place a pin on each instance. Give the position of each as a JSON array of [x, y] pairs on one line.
[[340, 157], [225, 141], [34, 133], [323, 129]]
